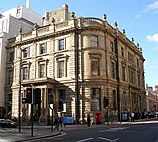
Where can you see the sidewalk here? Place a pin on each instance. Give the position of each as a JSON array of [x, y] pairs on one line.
[[13, 135]]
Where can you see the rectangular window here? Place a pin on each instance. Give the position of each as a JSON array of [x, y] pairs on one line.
[[25, 73], [61, 69], [130, 57], [42, 70], [137, 62], [11, 56], [95, 66], [123, 73], [95, 99], [61, 44], [25, 52], [122, 52], [139, 80], [113, 72], [43, 48], [131, 76], [94, 41], [112, 46], [10, 77]]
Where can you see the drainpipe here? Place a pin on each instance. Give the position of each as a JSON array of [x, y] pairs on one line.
[[77, 87], [106, 65], [118, 80]]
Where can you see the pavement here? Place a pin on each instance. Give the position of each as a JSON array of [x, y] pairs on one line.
[[39, 132]]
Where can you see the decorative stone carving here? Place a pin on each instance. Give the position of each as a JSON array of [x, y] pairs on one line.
[[132, 39], [123, 31], [73, 15], [104, 17], [53, 20], [115, 24], [20, 31]]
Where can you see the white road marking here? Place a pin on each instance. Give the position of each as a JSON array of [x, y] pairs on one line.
[[109, 140], [85, 140], [113, 129]]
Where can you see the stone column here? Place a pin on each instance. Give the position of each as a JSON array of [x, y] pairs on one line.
[[42, 120]]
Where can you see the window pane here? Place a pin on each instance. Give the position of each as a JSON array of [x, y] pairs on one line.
[[11, 56], [95, 67], [42, 70], [25, 52], [61, 69], [112, 46], [94, 41], [25, 73], [113, 70], [61, 44], [10, 77], [122, 51], [43, 48], [123, 73], [95, 99]]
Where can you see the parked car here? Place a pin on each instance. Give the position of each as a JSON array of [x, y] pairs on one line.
[[2, 122], [7, 123]]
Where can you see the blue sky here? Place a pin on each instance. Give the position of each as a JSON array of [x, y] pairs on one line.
[[138, 17]]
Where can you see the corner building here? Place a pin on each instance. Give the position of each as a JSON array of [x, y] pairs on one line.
[[78, 60]]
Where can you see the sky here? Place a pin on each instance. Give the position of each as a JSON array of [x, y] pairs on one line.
[[139, 18]]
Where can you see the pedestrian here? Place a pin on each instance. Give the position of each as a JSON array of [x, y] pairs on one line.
[[61, 123], [132, 117], [88, 120], [56, 124]]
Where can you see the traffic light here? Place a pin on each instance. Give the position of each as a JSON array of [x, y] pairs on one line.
[[105, 102], [29, 95], [60, 105]]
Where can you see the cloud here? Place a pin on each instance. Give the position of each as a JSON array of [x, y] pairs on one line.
[[152, 37], [153, 6]]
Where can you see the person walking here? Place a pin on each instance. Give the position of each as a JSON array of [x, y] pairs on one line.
[[132, 117], [56, 124], [61, 123]]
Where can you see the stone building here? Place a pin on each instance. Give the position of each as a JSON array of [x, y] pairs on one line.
[[152, 98], [78, 61]]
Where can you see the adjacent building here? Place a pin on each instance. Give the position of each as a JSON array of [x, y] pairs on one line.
[[78, 61], [10, 23], [152, 99]]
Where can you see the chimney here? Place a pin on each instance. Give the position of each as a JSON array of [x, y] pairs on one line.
[[28, 4]]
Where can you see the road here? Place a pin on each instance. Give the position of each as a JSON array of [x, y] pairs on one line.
[[140, 132]]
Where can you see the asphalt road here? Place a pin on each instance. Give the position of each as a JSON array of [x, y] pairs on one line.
[[145, 132]]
